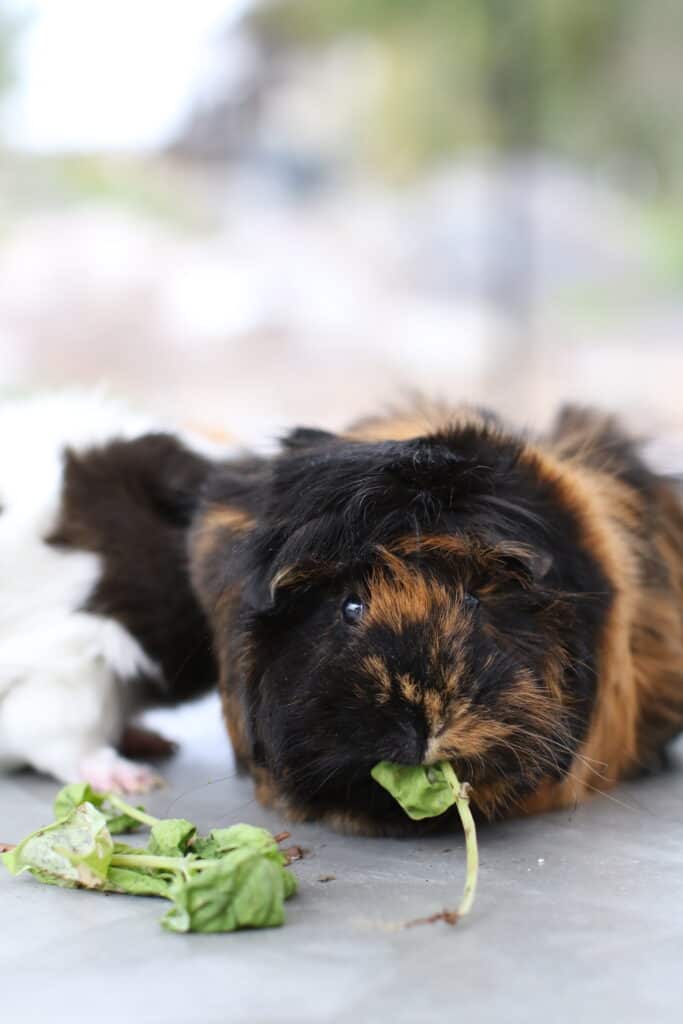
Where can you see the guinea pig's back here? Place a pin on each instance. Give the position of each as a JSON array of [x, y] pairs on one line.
[[643, 510]]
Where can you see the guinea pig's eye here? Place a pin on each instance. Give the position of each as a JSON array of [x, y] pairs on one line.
[[352, 609], [470, 601]]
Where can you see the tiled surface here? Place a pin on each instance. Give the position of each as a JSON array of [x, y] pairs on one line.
[[579, 918]]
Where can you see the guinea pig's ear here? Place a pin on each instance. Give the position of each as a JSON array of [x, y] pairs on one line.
[[307, 437], [276, 588], [300, 577], [533, 561], [539, 563]]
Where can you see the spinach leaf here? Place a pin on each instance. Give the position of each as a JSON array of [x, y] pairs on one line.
[[74, 851], [233, 878], [244, 889], [171, 837], [138, 882], [71, 796], [222, 840], [425, 791], [422, 790]]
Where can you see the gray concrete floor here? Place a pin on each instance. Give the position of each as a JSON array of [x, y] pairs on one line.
[[579, 918]]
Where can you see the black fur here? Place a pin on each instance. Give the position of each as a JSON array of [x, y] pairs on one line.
[[131, 502]]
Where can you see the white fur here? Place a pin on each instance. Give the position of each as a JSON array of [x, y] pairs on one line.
[[62, 670]]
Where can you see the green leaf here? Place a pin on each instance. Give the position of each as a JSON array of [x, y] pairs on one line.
[[259, 893], [233, 878], [223, 840], [127, 848], [138, 882], [171, 837], [290, 883], [48, 879], [76, 850], [121, 823], [69, 797], [423, 791], [244, 889]]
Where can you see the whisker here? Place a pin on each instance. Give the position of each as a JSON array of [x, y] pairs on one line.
[[196, 789]]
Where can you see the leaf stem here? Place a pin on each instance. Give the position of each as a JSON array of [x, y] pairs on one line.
[[151, 861], [462, 802], [133, 812]]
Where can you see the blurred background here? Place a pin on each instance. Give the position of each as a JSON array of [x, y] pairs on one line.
[[249, 213]]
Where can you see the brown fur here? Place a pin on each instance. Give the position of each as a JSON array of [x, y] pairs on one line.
[[640, 683], [217, 528]]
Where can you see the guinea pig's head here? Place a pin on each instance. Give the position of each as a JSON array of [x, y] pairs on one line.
[[409, 601]]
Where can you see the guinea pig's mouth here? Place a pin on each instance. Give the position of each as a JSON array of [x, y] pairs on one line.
[[433, 750]]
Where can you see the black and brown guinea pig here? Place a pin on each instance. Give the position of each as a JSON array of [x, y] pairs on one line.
[[434, 586]]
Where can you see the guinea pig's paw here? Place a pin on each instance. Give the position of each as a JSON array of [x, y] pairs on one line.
[[106, 770]]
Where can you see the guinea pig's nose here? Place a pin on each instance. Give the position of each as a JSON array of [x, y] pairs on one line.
[[411, 745]]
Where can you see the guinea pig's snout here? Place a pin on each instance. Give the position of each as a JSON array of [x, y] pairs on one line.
[[407, 745]]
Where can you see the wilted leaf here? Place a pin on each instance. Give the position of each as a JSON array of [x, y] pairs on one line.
[[69, 797], [127, 848], [138, 882], [171, 837], [121, 823], [233, 878], [74, 851], [289, 880], [223, 840], [244, 889]]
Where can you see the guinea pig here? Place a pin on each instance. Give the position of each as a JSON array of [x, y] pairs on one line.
[[97, 616], [436, 586]]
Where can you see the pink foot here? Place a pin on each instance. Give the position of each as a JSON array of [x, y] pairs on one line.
[[104, 769]]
